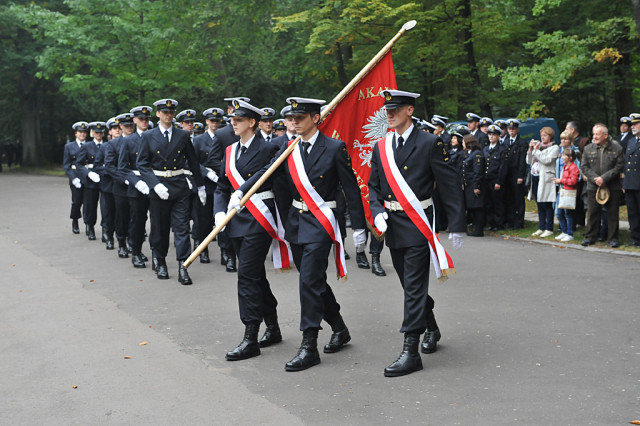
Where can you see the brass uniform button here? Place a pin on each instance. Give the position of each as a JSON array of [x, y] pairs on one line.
[[301, 211], [405, 167], [249, 174]]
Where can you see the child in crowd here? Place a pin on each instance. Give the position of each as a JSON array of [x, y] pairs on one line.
[[569, 180]]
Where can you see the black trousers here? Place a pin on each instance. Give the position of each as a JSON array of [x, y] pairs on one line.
[[632, 197], [255, 298], [167, 215], [138, 208], [90, 199], [594, 212], [412, 266], [494, 205], [514, 202], [122, 217], [76, 202], [442, 222], [107, 212], [317, 301], [202, 218], [375, 246]]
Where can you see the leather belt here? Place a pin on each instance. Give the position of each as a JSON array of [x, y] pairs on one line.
[[265, 195], [395, 206], [303, 206], [171, 173]]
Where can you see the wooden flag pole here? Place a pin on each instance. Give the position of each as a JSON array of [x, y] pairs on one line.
[[354, 82]]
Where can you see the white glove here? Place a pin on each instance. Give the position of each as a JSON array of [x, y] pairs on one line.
[[162, 191], [142, 187], [212, 176], [202, 194], [76, 182], [234, 201], [359, 240], [126, 181], [189, 183], [457, 239], [218, 218], [380, 221], [94, 176]]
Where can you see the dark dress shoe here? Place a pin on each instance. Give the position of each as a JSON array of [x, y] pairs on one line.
[[86, 230], [337, 341], [129, 247], [272, 334], [430, 341], [587, 242], [74, 226], [307, 355], [104, 236], [409, 359], [376, 267], [249, 347], [231, 264], [137, 261], [143, 257], [110, 245], [92, 234], [122, 252], [614, 244], [204, 256], [154, 264], [183, 275], [479, 233], [346, 255], [161, 271], [361, 261], [223, 257]]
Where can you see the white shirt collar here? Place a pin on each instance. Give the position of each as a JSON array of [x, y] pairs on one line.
[[139, 131], [264, 135], [79, 143], [162, 130], [290, 136], [211, 135], [405, 135], [247, 144]]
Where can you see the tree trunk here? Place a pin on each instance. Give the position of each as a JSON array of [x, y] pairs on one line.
[[623, 85], [33, 154], [636, 14], [342, 74]]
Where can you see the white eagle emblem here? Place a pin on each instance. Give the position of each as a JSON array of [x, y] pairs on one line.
[[374, 130]]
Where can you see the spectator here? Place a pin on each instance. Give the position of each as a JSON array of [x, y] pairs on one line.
[[570, 176], [566, 142], [542, 156], [578, 141]]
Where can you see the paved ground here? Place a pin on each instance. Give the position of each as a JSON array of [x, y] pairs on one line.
[[532, 334]]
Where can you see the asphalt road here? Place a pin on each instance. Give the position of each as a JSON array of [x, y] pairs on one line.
[[532, 334]]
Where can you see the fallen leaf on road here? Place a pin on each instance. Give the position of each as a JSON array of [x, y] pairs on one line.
[[13, 264], [91, 281], [142, 343], [635, 422], [127, 357], [19, 291], [75, 387]]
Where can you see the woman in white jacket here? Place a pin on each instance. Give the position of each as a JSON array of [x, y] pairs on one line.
[[542, 156]]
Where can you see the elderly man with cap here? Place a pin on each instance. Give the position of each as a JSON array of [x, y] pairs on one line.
[[625, 134], [107, 202], [168, 164], [495, 175], [71, 151], [473, 123], [514, 191], [209, 153], [90, 179], [405, 166], [631, 182], [120, 184], [138, 190], [312, 176]]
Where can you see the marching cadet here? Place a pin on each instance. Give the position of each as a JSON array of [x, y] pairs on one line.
[[266, 123], [186, 119], [495, 175], [70, 157], [312, 176], [137, 189], [164, 154], [473, 170], [253, 230], [207, 147], [226, 134], [107, 202], [473, 123], [514, 191], [279, 129], [198, 128], [625, 135], [290, 125], [120, 184], [631, 182], [90, 179], [405, 166]]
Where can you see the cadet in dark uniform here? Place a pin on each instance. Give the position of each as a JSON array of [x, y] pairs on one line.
[[120, 185], [266, 123], [421, 161], [290, 128], [473, 123], [164, 154], [441, 124], [107, 202], [187, 119], [319, 167], [514, 191], [204, 147], [250, 238], [625, 134], [631, 182], [137, 190], [473, 170], [70, 157], [483, 125], [503, 126], [198, 128], [90, 179], [279, 129], [495, 175]]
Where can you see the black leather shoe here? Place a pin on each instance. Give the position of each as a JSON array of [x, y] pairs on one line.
[[337, 341], [110, 245], [223, 257], [161, 271], [376, 267], [183, 276], [249, 347], [92, 234], [143, 257], [409, 359], [137, 261], [614, 244], [154, 264], [587, 242], [430, 341], [231, 264], [128, 246], [361, 261], [204, 256], [86, 230], [104, 236], [307, 355], [346, 255], [122, 252], [272, 334]]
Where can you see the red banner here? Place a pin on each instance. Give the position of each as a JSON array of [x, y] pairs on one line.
[[360, 121]]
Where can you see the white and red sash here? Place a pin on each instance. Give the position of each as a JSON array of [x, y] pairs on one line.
[[280, 248], [411, 205], [317, 206]]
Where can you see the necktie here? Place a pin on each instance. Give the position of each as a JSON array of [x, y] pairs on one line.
[[268, 138], [400, 143], [242, 151], [292, 137], [511, 143], [166, 136], [305, 149]]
